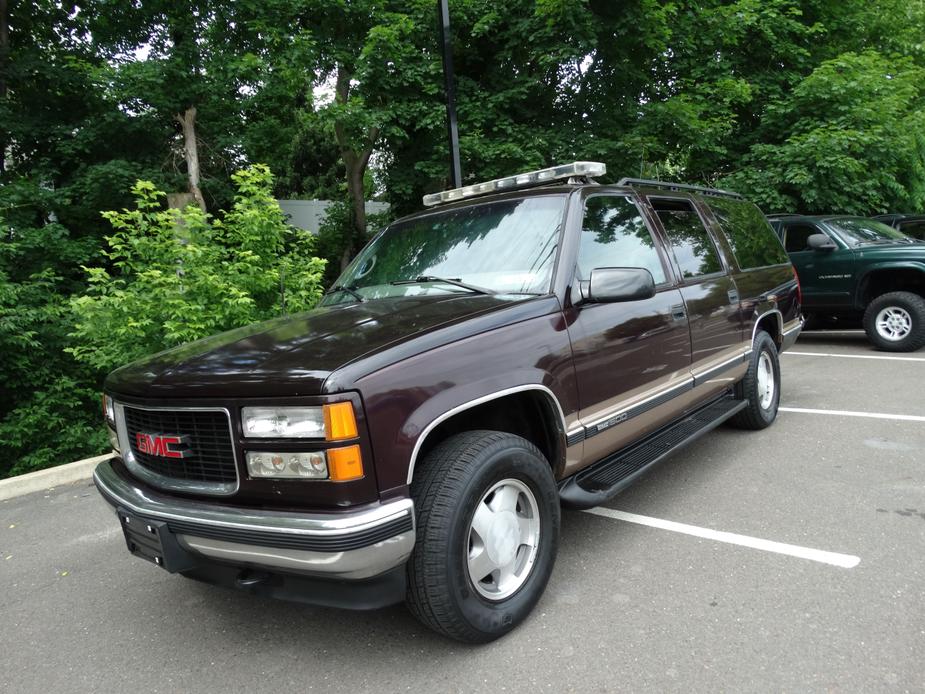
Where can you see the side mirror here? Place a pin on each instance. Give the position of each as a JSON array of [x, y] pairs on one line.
[[612, 284], [821, 242]]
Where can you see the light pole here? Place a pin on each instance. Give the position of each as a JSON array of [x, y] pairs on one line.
[[452, 129]]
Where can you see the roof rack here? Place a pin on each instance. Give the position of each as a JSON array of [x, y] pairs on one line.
[[677, 186]]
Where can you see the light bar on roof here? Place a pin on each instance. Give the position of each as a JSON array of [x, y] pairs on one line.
[[523, 180]]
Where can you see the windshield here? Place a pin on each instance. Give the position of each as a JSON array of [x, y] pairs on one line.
[[857, 231], [505, 247]]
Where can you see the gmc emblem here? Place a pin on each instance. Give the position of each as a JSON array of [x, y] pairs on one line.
[[160, 445]]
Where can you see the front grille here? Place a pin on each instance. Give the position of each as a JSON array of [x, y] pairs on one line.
[[211, 456]]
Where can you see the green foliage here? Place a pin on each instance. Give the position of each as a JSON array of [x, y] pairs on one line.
[[178, 275], [853, 141], [48, 403]]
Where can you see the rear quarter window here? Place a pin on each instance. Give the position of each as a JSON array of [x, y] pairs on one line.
[[753, 241]]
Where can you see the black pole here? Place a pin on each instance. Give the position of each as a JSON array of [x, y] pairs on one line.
[[452, 130]]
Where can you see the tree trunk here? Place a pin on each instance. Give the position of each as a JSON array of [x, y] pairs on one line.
[[355, 161], [4, 59], [187, 121]]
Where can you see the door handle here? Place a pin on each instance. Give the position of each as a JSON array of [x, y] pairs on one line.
[[678, 312], [733, 295]]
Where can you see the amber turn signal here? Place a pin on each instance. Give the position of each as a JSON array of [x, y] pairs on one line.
[[345, 464], [339, 422]]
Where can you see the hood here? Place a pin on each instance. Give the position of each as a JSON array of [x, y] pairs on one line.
[[894, 251], [292, 355]]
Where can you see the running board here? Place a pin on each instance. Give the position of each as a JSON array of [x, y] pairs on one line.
[[611, 475]]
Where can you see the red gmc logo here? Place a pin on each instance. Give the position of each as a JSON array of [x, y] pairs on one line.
[[160, 445]]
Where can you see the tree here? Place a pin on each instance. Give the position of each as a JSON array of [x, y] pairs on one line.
[[852, 141]]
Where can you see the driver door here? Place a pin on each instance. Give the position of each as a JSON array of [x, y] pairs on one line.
[[827, 277], [628, 356]]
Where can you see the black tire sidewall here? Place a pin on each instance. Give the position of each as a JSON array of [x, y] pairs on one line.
[[497, 617], [753, 416], [765, 345]]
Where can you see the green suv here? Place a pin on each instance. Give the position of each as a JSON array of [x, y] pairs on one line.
[[857, 270]]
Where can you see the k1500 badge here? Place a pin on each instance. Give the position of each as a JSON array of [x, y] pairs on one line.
[[163, 445]]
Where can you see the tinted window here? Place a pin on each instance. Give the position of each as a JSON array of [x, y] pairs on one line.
[[796, 237], [614, 235], [915, 229], [753, 242], [693, 248]]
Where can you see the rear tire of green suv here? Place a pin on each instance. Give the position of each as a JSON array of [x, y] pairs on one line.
[[761, 385], [487, 535], [895, 322]]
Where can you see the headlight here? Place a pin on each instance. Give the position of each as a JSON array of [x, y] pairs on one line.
[[334, 464], [287, 465], [283, 422], [333, 422]]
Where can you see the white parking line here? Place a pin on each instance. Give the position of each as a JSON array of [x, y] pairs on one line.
[[850, 413], [845, 561], [852, 356]]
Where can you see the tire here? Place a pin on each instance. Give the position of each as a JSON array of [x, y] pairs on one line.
[[895, 322], [761, 410], [470, 472]]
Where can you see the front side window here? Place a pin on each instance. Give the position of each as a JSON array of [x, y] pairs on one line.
[[796, 237], [753, 242], [693, 248], [614, 235], [505, 247]]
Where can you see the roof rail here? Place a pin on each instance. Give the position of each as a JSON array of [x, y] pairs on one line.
[[677, 186]]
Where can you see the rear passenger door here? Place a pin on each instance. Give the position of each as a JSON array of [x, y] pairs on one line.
[[711, 298]]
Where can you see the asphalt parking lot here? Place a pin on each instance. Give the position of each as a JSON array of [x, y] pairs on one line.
[[799, 567]]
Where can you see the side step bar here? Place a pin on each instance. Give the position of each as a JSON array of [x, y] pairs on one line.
[[611, 475]]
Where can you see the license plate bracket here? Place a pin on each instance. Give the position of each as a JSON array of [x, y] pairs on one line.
[[153, 541]]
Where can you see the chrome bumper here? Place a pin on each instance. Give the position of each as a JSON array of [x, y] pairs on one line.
[[345, 545]]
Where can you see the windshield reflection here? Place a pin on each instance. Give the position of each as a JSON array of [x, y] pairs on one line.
[[506, 247]]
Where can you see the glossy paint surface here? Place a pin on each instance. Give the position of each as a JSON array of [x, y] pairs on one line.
[[408, 361]]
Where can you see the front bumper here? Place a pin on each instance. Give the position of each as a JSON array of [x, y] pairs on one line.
[[345, 546]]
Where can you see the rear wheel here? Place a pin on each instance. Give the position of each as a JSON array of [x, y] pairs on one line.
[[761, 385], [487, 535], [895, 322]]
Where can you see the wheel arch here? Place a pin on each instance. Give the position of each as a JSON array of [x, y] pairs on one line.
[[772, 322], [893, 277], [503, 410]]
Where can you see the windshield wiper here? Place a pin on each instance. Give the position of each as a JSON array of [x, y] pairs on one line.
[[446, 280], [352, 291]]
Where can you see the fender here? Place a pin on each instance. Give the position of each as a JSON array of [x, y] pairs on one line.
[[885, 265], [464, 399]]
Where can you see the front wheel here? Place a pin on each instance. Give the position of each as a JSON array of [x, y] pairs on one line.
[[761, 385], [487, 535], [895, 322]]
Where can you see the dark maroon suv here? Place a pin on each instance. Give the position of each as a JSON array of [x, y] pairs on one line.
[[524, 343]]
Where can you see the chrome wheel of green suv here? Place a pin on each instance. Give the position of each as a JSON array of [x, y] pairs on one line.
[[895, 322]]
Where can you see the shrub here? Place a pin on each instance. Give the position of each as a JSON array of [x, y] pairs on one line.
[[178, 275]]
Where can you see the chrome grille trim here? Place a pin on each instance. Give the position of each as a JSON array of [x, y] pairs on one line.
[[170, 483]]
